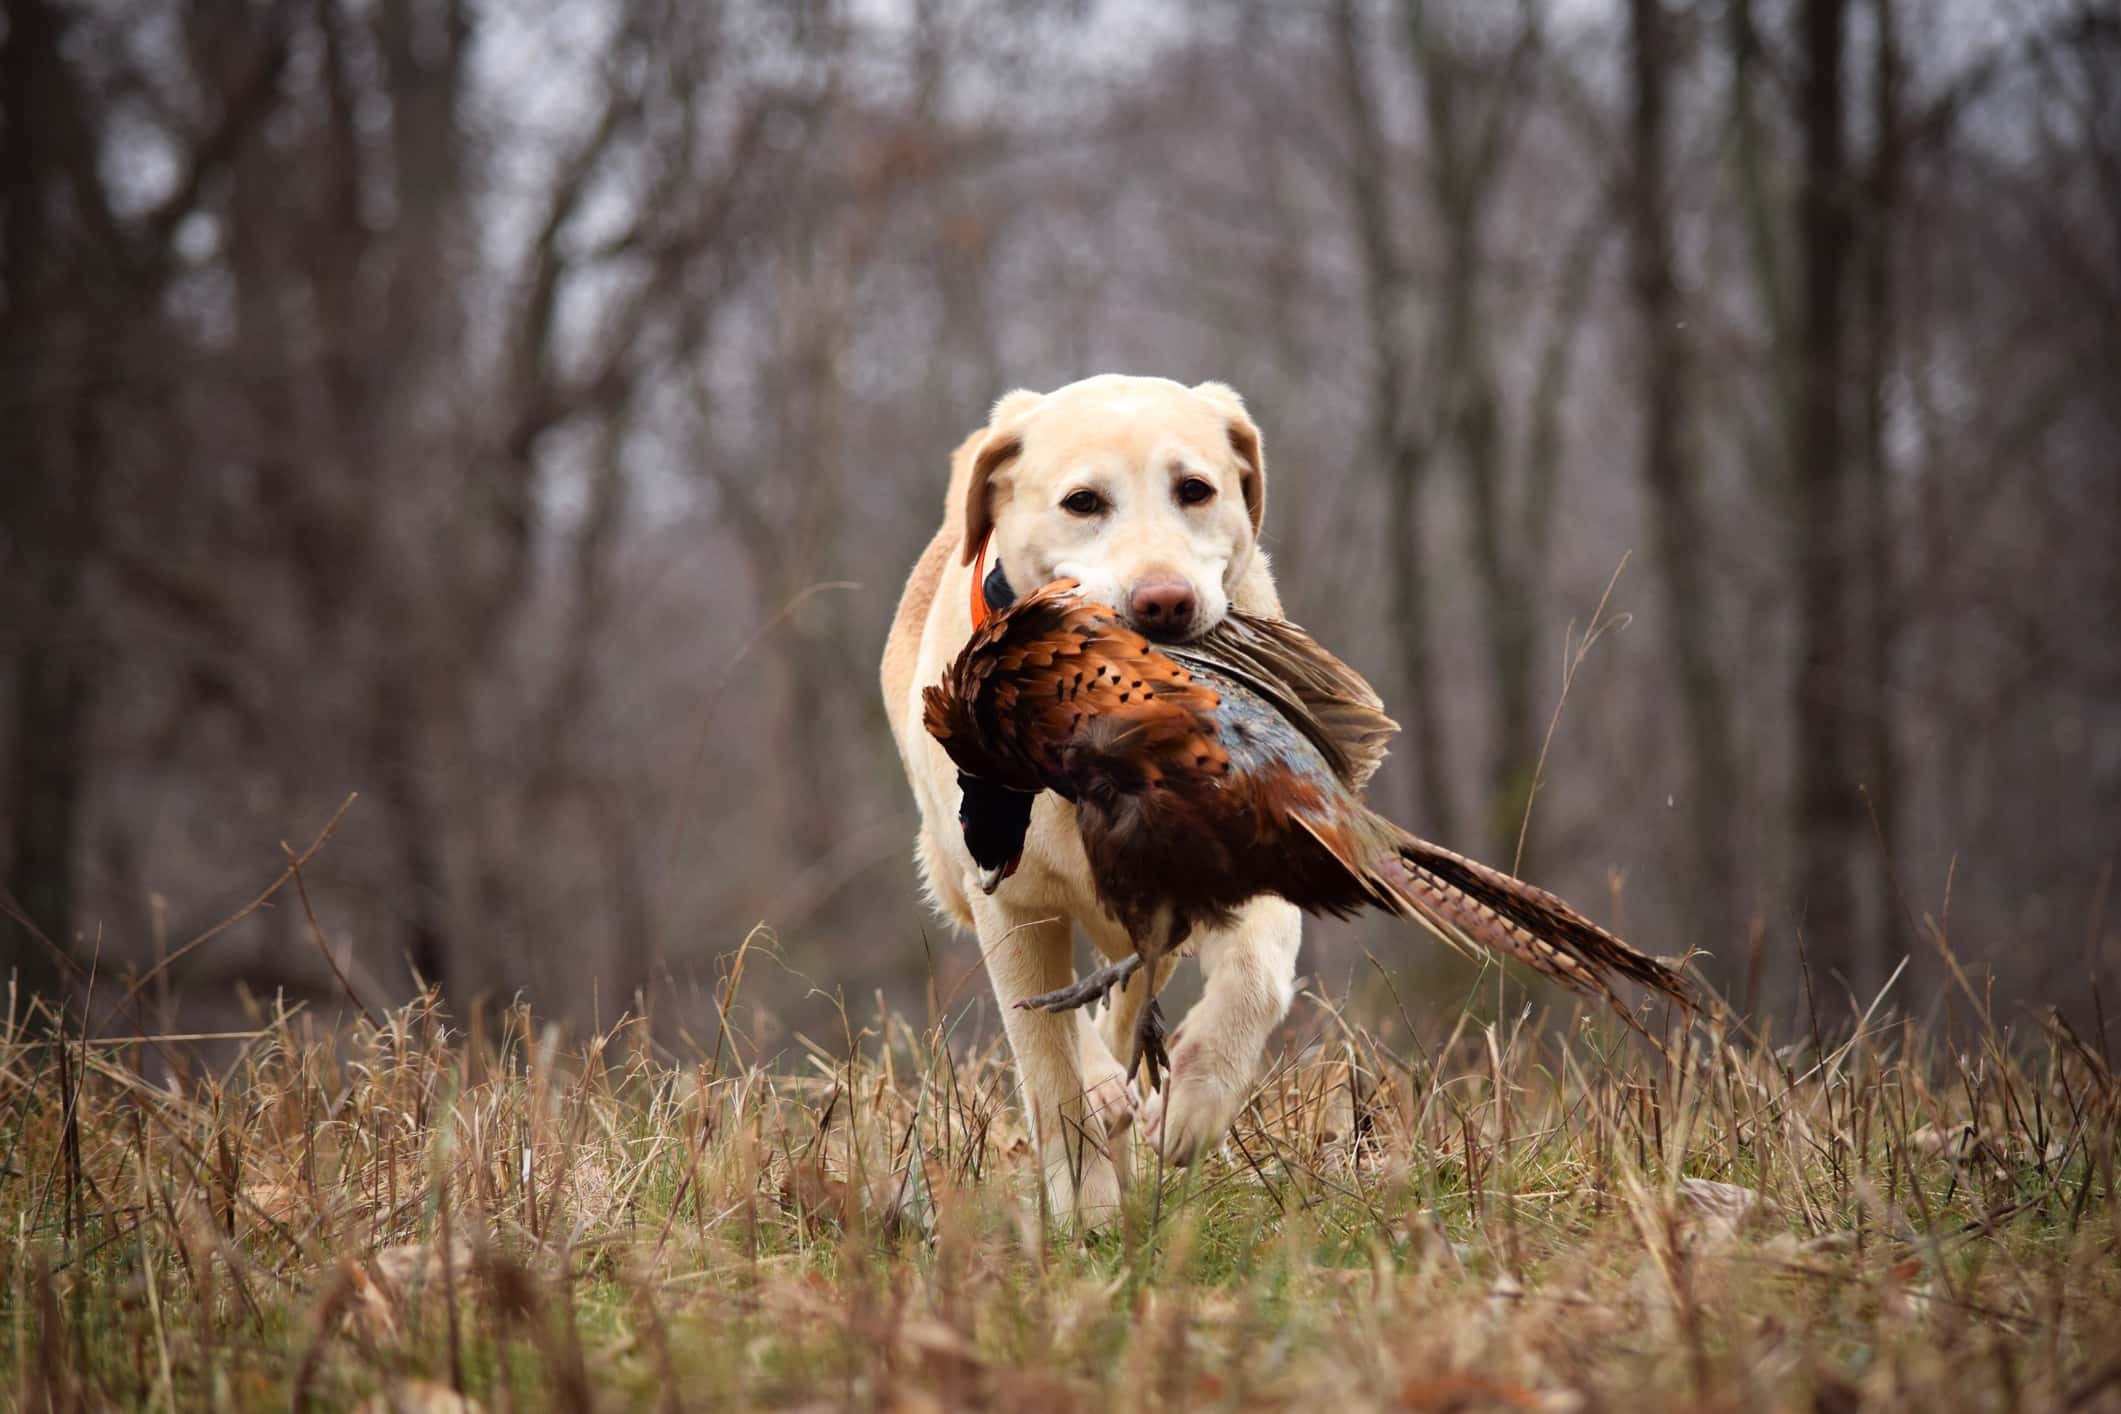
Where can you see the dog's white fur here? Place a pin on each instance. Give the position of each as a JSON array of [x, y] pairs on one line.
[[1132, 441]]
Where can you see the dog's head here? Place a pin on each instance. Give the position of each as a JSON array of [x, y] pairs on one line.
[[1148, 492]]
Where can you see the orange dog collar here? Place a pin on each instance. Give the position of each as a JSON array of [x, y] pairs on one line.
[[981, 610]]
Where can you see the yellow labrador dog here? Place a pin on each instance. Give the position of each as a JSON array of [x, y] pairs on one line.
[[1150, 493]]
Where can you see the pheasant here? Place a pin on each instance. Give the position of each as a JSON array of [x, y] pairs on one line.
[[1208, 773]]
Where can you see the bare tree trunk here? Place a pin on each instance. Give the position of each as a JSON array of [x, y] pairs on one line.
[[1878, 568], [51, 690], [423, 50], [1828, 810], [43, 499], [403, 774], [1755, 197], [1473, 103], [1550, 387], [1402, 454], [1675, 512], [810, 653], [1475, 421]]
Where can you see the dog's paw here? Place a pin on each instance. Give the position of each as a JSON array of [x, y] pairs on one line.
[[1193, 1111], [1084, 1187], [1106, 1093], [1111, 1099]]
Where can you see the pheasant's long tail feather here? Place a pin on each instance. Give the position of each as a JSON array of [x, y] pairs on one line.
[[1533, 925], [1477, 909]]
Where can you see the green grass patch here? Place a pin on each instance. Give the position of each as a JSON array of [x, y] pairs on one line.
[[397, 1215]]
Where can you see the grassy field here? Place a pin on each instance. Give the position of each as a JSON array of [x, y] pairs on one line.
[[408, 1214]]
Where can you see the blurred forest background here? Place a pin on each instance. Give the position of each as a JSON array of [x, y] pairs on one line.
[[524, 414]]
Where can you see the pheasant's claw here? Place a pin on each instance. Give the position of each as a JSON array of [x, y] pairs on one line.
[[1094, 988], [1149, 1046]]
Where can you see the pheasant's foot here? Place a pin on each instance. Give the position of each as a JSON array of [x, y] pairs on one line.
[[1149, 1045], [1094, 988]]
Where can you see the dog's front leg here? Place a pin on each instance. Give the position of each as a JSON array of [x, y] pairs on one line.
[[1250, 971], [1027, 953]]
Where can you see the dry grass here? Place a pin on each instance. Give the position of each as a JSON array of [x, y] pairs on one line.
[[394, 1212]]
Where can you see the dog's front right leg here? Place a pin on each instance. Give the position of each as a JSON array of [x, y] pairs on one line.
[[1029, 952]]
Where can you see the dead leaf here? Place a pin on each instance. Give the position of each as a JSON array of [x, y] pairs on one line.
[[408, 1266], [1931, 1139], [821, 1201], [368, 1310], [1720, 1211], [1451, 1394], [275, 1202], [932, 1337], [418, 1397], [814, 1198]]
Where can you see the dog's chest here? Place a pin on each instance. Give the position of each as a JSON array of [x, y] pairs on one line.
[[1055, 873]]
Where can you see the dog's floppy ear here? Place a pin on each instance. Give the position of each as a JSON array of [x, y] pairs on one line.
[[990, 451], [1244, 440]]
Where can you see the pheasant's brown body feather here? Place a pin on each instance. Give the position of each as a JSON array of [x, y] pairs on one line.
[[1208, 774], [1054, 671]]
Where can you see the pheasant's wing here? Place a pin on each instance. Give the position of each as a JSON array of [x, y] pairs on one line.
[[1054, 672], [1321, 696]]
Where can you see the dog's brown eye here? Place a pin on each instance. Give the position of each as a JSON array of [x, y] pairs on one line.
[[1083, 503], [1194, 491]]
